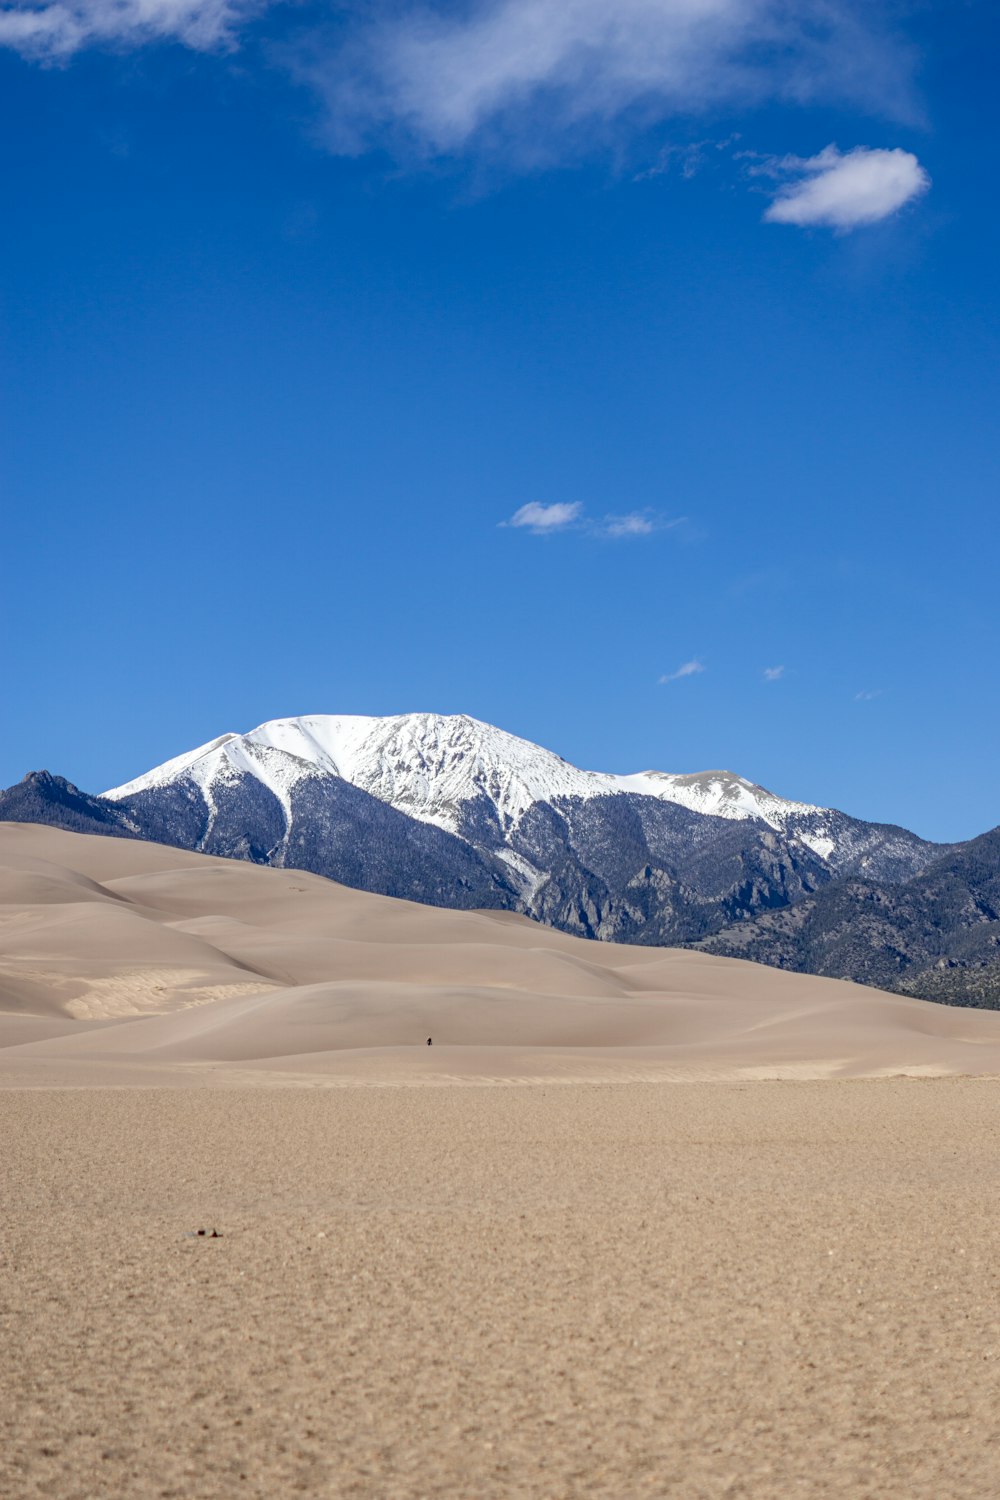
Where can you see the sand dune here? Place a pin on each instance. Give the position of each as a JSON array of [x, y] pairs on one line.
[[721, 1289], [130, 962]]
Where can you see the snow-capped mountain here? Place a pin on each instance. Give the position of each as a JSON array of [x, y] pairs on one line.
[[456, 813], [478, 782], [432, 765], [450, 811]]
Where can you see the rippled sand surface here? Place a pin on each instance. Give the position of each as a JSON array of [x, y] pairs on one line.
[[763, 1289]]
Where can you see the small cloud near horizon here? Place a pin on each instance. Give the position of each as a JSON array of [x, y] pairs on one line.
[[844, 190], [686, 669], [773, 674], [868, 696]]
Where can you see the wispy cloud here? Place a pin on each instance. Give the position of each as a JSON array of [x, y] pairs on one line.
[[529, 83], [773, 674], [845, 190], [688, 158], [62, 27], [634, 524], [686, 669], [542, 520], [533, 81], [868, 696]]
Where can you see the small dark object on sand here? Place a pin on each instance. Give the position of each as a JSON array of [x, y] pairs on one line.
[[428, 1041], [203, 1234]]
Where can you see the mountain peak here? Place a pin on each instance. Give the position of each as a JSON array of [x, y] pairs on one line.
[[46, 779], [432, 765]]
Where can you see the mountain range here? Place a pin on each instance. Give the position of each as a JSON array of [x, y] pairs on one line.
[[449, 811]]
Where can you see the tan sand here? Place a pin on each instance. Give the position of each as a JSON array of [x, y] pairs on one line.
[[764, 1290], [590, 1286], [130, 963]]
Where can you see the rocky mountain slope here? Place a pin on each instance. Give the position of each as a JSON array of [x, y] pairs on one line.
[[339, 832], [936, 935], [44, 798]]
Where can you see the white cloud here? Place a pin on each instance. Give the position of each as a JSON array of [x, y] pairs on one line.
[[544, 519], [773, 674], [539, 79], [843, 191], [868, 697], [534, 81], [686, 669], [62, 27]]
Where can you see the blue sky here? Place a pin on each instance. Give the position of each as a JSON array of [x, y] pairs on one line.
[[300, 305]]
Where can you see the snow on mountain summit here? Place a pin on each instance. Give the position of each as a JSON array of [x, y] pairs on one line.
[[431, 766]]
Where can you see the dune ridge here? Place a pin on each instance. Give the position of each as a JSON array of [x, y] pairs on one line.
[[131, 962]]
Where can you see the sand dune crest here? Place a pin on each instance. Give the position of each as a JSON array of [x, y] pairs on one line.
[[132, 962]]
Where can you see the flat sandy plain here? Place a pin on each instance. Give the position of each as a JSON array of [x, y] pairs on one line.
[[639, 1222]]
